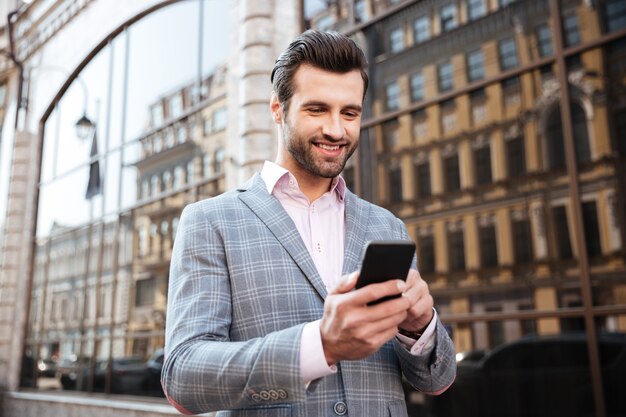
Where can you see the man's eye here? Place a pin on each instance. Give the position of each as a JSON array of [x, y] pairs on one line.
[[316, 110]]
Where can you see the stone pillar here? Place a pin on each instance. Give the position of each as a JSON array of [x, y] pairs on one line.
[[15, 275], [262, 30]]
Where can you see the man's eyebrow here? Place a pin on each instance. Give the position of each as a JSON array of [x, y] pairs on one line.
[[316, 103]]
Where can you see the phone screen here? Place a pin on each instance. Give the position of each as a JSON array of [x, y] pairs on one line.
[[385, 260]]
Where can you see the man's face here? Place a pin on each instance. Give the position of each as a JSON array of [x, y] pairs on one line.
[[321, 128]]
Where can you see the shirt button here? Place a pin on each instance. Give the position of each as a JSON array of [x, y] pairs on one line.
[[340, 408]]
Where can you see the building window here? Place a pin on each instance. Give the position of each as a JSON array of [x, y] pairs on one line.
[[508, 54], [561, 233], [178, 177], [478, 103], [511, 91], [426, 252], [544, 40], [571, 34], [476, 9], [155, 185], [157, 115], [395, 185], [396, 40], [206, 165], [447, 17], [145, 189], [167, 180], [360, 12], [206, 126], [219, 160], [446, 80], [614, 15], [581, 136], [504, 3], [219, 119], [423, 180], [522, 241], [488, 246], [390, 134], [175, 106], [181, 133], [417, 86], [592, 229], [448, 115], [145, 294], [452, 174], [420, 124], [475, 65], [482, 160], [191, 171], [516, 157], [421, 29], [495, 328], [554, 140], [456, 250], [392, 94]]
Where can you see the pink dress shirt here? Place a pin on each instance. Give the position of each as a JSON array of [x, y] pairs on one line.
[[321, 225]]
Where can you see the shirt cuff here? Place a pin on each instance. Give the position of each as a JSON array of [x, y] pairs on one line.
[[426, 341], [313, 363]]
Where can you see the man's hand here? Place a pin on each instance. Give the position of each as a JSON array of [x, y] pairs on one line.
[[351, 329], [420, 312]]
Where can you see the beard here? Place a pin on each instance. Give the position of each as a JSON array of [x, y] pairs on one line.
[[303, 152]]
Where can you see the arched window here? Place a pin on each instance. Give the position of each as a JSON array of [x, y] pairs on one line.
[[132, 85]]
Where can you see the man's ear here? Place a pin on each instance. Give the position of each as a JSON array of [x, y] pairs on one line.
[[276, 109]]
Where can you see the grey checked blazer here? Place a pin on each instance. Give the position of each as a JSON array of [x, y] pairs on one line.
[[243, 285]]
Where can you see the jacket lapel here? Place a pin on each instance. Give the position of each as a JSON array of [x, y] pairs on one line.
[[269, 210], [357, 213]]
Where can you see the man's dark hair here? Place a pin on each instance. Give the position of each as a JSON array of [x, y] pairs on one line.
[[330, 51]]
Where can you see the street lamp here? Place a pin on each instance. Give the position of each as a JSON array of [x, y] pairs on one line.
[[83, 127]]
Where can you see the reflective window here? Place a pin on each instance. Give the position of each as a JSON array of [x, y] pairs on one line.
[[544, 40], [421, 29], [475, 65], [508, 54], [447, 17], [102, 249], [476, 9]]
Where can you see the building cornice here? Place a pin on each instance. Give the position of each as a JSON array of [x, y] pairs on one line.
[[41, 21]]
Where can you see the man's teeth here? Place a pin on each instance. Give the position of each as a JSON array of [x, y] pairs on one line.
[[328, 147]]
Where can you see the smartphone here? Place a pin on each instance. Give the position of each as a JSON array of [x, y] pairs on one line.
[[385, 260]]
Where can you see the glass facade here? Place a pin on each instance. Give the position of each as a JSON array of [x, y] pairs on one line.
[[516, 206], [109, 203]]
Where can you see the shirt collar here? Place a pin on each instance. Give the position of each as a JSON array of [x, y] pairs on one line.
[[272, 174]]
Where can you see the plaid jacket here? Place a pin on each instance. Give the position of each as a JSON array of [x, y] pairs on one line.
[[242, 286]]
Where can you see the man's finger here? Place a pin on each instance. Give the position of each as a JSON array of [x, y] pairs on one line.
[[345, 284]]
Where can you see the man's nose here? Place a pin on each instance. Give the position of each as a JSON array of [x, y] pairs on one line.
[[333, 127]]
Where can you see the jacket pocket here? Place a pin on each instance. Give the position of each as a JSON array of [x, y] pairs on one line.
[[267, 411], [397, 408]]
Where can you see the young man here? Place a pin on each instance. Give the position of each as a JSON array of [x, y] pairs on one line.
[[263, 318]]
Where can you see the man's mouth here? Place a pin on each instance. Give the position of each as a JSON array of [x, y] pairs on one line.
[[327, 147]]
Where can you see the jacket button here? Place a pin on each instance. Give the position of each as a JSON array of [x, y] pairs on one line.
[[282, 394], [340, 408], [256, 397]]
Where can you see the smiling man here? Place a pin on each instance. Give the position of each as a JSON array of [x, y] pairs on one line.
[[263, 318]]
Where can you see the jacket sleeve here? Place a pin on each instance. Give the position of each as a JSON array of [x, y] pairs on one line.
[[434, 373], [203, 369]]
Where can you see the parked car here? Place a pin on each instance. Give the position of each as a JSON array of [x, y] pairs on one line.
[[67, 370], [152, 377], [537, 376]]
